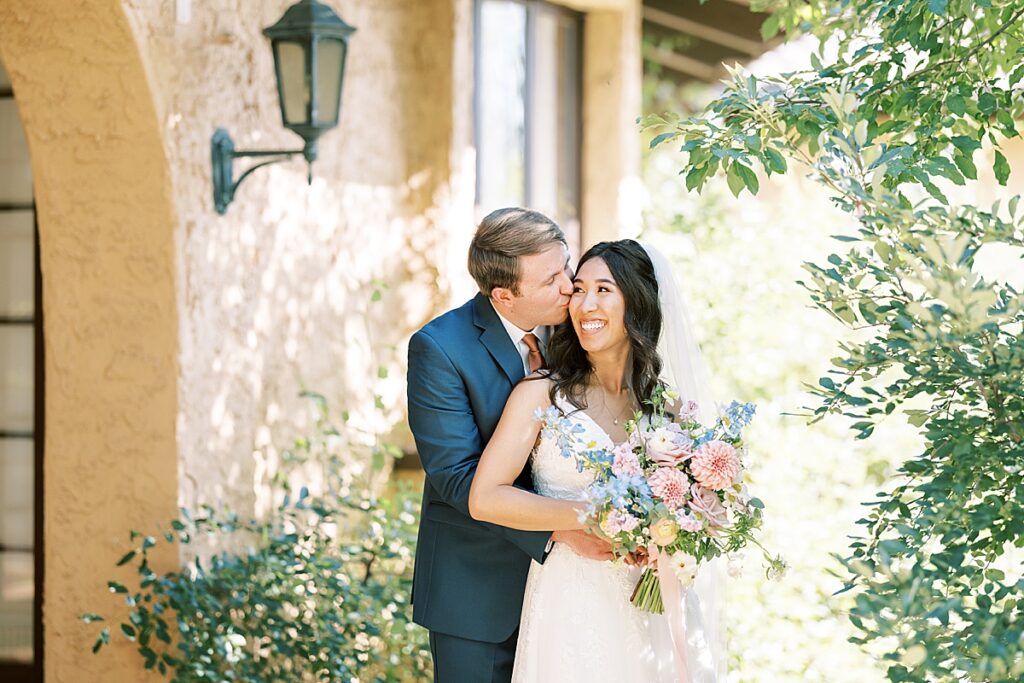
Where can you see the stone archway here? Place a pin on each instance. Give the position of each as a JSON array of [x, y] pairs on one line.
[[106, 222]]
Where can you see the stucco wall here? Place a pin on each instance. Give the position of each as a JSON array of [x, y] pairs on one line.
[[109, 306], [276, 295]]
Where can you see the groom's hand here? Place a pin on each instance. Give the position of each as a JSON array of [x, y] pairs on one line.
[[587, 545]]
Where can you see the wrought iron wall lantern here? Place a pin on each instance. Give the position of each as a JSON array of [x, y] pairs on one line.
[[310, 43]]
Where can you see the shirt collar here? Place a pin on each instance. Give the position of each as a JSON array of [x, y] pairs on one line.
[[514, 332]]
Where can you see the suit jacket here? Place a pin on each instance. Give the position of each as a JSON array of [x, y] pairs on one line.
[[469, 576]]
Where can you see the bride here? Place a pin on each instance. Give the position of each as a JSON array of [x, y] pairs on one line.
[[603, 365]]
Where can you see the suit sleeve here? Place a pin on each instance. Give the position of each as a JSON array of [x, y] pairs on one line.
[[447, 437]]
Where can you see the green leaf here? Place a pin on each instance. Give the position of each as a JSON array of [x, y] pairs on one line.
[[770, 27], [126, 558], [128, 630], [956, 104], [965, 144], [1009, 125], [987, 102], [103, 639], [1001, 168], [658, 139], [966, 165], [116, 587], [695, 177], [749, 177], [938, 6], [734, 179], [776, 162], [89, 618]]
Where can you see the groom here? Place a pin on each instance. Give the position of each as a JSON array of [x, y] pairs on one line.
[[470, 576]]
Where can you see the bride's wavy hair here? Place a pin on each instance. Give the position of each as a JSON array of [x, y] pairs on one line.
[[568, 365]]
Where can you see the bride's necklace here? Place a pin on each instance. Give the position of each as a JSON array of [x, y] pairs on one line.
[[624, 408]]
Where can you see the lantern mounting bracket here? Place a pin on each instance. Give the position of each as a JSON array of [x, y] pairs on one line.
[[223, 154]]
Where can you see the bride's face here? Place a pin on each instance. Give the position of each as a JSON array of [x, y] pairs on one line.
[[597, 308]]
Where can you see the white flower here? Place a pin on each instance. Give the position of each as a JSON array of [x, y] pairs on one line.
[[685, 567], [777, 569]]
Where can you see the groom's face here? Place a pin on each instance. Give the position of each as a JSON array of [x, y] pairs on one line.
[[545, 286]]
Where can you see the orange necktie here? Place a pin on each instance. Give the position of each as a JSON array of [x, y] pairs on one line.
[[535, 360]]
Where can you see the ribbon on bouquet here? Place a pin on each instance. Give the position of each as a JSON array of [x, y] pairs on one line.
[[672, 596]]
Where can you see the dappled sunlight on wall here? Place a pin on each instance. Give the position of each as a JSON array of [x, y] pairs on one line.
[[305, 287]]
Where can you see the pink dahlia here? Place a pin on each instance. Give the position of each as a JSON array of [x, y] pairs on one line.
[[715, 465], [671, 486]]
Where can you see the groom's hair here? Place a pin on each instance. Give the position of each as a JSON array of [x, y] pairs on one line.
[[501, 238]]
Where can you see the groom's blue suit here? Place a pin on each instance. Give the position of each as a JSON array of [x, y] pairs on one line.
[[469, 575]]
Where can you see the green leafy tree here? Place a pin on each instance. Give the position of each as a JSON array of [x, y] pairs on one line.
[[914, 96]]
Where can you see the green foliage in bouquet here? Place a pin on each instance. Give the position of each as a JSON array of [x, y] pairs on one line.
[[917, 93], [320, 593]]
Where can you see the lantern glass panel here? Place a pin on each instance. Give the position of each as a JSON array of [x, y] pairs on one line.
[[330, 61], [293, 82]]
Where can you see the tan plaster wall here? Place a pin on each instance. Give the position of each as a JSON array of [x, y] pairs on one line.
[[276, 295], [110, 309], [612, 82]]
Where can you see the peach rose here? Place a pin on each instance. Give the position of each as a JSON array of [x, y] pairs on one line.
[[664, 531]]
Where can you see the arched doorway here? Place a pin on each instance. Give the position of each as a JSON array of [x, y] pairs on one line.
[[105, 216]]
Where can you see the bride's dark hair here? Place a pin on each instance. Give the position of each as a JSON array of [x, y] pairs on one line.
[[567, 361]]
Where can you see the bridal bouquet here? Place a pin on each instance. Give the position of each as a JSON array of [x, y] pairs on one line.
[[674, 490]]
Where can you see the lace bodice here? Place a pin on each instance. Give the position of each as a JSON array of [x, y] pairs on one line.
[[557, 476]]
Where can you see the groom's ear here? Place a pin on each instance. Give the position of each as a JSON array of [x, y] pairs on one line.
[[502, 297]]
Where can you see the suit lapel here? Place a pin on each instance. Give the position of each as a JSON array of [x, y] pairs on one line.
[[496, 340]]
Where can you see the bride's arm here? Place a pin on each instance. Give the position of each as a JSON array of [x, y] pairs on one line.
[[493, 496]]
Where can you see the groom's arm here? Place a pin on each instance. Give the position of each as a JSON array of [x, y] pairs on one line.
[[447, 437]]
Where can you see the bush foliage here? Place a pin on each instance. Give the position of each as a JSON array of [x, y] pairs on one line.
[[320, 593]]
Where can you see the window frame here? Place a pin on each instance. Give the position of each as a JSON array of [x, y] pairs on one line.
[[14, 671], [532, 7]]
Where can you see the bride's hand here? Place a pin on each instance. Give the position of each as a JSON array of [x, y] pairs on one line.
[[585, 544], [641, 558]]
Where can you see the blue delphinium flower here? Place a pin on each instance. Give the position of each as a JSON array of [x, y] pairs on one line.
[[555, 425], [735, 417]]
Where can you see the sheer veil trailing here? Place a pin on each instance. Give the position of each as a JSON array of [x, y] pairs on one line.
[[684, 370]]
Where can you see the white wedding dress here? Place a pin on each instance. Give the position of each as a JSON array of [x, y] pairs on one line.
[[577, 623]]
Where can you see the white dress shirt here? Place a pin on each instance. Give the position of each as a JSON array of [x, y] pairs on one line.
[[516, 335]]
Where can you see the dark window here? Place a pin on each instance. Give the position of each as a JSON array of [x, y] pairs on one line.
[[21, 415], [527, 106]]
